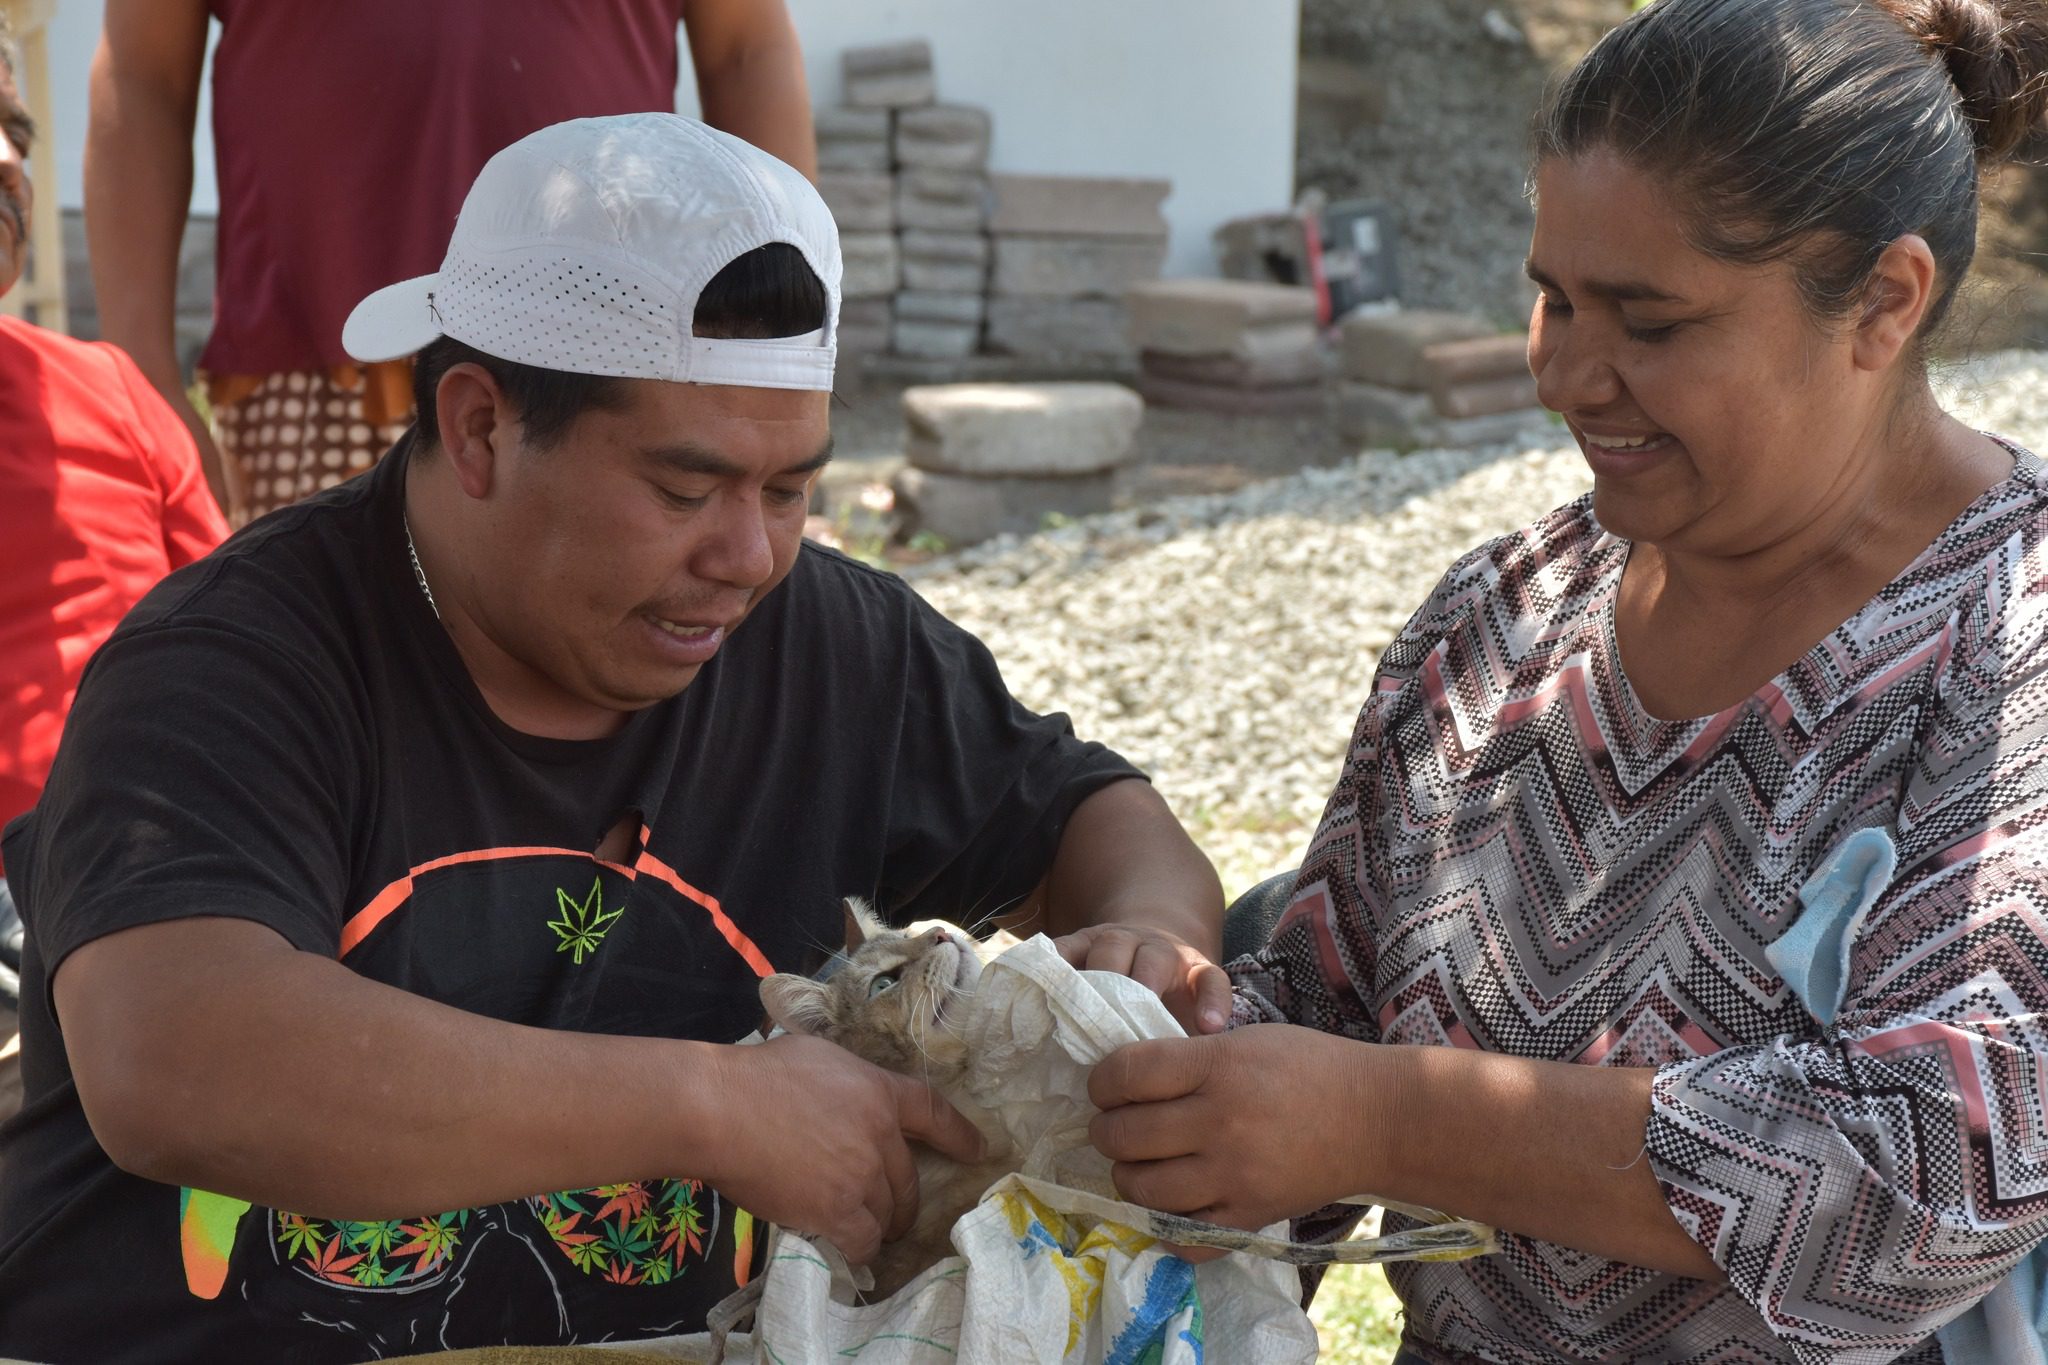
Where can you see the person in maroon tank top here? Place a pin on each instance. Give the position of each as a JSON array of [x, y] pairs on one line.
[[320, 111]]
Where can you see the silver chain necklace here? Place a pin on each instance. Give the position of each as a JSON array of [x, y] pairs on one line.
[[413, 553]]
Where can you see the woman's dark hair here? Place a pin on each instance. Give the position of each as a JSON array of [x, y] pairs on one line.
[[770, 291], [1814, 131]]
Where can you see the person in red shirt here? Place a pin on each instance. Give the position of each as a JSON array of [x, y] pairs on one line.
[[101, 495]]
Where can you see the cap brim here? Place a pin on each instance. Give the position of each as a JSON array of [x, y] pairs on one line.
[[394, 322]]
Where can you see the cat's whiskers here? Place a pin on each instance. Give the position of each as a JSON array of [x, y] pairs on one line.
[[979, 922]]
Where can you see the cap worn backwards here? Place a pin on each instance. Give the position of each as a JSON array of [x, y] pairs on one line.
[[584, 247]]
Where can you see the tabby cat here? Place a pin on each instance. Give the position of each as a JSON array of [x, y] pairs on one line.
[[896, 1001]]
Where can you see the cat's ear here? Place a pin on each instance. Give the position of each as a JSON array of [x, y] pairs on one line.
[[795, 1002], [861, 922]]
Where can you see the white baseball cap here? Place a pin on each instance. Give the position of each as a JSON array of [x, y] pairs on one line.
[[583, 247]]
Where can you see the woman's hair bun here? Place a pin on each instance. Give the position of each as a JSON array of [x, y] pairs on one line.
[[1996, 52]]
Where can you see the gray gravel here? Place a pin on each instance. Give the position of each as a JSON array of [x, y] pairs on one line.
[[1225, 643]]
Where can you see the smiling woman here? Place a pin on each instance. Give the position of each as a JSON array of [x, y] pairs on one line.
[[1556, 935]]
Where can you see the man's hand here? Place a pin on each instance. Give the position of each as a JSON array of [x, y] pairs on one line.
[[1192, 987], [1128, 892], [818, 1141], [1264, 1123]]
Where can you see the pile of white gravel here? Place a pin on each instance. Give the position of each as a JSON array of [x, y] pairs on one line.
[[1224, 644]]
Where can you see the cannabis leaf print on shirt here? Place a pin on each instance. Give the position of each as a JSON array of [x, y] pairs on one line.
[[635, 1233], [380, 1254], [583, 924]]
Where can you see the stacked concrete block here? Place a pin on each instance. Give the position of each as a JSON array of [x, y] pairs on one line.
[[1078, 206], [990, 458], [1483, 377], [897, 76], [1227, 345], [866, 326], [863, 204], [1415, 379], [937, 326], [1059, 329], [942, 201], [943, 137], [853, 140], [944, 262], [1066, 248], [1073, 267], [870, 265], [861, 201], [941, 155]]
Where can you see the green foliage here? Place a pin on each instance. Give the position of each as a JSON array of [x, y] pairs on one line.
[[1357, 1316]]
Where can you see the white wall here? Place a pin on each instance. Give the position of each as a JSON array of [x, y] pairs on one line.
[[1200, 92]]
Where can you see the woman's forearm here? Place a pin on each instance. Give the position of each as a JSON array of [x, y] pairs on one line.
[[1545, 1149], [1272, 1121]]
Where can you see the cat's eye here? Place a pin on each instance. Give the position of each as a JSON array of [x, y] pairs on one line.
[[884, 981]]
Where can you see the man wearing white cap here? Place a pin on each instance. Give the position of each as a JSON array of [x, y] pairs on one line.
[[422, 849]]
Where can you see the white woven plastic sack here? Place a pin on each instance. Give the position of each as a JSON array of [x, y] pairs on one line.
[[1032, 1282]]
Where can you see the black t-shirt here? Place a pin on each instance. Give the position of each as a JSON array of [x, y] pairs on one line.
[[283, 732]]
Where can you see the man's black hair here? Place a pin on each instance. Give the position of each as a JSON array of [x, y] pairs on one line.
[[770, 291]]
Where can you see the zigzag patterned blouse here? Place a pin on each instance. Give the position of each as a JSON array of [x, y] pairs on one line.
[[1519, 858]]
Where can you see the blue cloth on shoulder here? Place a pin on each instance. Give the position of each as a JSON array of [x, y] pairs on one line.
[[2010, 1324]]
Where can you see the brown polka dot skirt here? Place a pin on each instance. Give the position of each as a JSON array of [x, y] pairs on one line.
[[293, 435]]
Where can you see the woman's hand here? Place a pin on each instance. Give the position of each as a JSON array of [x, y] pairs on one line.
[[1244, 1129]]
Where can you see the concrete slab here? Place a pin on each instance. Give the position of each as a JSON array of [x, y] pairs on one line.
[[1386, 348], [964, 511], [870, 264], [1283, 369], [945, 137], [941, 201], [1181, 393], [1075, 267], [895, 76], [861, 201], [1056, 327], [1449, 363], [946, 262], [1486, 397], [1078, 205], [934, 306], [931, 340], [1218, 317], [852, 140], [988, 430]]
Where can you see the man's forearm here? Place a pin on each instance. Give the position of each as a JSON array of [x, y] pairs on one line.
[[1124, 859], [375, 1102]]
